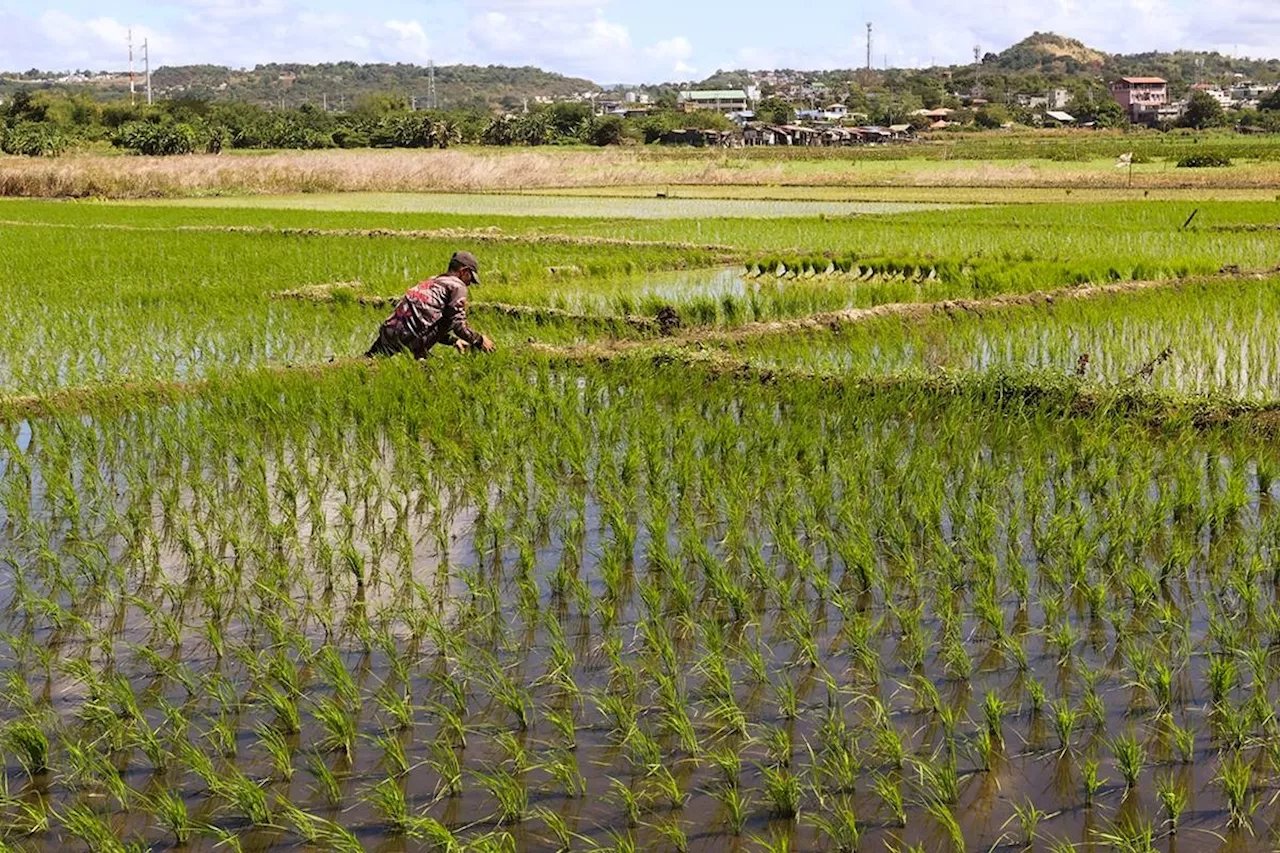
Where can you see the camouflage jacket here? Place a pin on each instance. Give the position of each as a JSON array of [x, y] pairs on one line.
[[431, 310]]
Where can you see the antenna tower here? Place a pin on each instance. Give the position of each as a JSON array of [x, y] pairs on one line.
[[977, 54], [431, 84], [868, 45]]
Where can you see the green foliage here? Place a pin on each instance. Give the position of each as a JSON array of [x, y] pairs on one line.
[[155, 138], [1204, 160], [1203, 111]]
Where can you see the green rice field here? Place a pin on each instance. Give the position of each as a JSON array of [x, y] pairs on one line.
[[769, 526]]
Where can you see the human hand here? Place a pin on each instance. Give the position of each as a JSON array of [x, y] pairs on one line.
[[486, 344], [461, 346]]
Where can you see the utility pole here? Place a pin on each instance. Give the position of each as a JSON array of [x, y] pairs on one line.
[[868, 45], [325, 100], [146, 60], [133, 92], [431, 85]]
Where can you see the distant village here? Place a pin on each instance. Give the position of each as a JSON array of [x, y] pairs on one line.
[[785, 108], [1143, 101]]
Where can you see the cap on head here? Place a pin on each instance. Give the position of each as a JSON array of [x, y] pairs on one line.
[[466, 261]]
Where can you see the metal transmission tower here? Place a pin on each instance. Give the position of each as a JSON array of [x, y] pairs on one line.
[[431, 85], [977, 54], [868, 45]]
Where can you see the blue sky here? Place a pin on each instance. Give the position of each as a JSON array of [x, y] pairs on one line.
[[609, 40]]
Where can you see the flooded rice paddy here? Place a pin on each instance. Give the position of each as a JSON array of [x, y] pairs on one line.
[[607, 614], [1216, 339]]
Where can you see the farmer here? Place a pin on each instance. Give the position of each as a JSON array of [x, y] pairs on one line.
[[432, 311]]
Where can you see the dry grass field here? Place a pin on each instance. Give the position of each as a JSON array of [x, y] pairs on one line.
[[483, 170]]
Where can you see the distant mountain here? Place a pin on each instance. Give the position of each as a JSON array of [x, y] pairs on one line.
[[1040, 60], [337, 84]]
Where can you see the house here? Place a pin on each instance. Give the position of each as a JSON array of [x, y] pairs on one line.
[[1059, 98], [719, 100], [698, 138], [764, 134], [1223, 98], [803, 135], [1145, 100], [1058, 118], [940, 114]]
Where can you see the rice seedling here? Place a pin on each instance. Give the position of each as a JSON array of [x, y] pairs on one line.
[[1235, 776], [279, 750], [27, 741], [735, 805], [782, 790], [326, 784], [839, 827], [889, 791], [1173, 801], [1065, 720], [1129, 834], [673, 834], [941, 812], [509, 794], [630, 802], [1092, 781], [1130, 757]]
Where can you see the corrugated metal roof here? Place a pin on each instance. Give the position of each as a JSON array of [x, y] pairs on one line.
[[714, 95], [1059, 115]]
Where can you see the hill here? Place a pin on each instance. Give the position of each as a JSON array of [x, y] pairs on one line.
[[1050, 51]]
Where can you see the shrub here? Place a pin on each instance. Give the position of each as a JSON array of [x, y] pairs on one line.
[[156, 140], [1207, 160], [32, 139]]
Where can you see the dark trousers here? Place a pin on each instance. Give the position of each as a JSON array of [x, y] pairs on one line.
[[392, 341]]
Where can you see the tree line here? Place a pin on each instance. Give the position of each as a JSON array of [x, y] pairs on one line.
[[46, 124]]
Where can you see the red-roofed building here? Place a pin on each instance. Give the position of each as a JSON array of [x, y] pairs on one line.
[[1144, 99]]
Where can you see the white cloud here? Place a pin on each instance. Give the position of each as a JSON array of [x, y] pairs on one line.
[[223, 32], [673, 53], [576, 37], [602, 39]]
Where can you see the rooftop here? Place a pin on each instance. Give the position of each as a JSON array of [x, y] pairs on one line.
[[1151, 81], [713, 95]]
